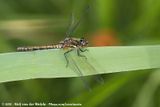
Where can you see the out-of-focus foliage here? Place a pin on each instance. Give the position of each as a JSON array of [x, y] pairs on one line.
[[38, 22]]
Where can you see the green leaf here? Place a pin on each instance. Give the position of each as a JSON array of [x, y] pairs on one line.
[[52, 64]]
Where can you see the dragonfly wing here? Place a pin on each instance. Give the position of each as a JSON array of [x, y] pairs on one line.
[[72, 27], [74, 66], [88, 67], [79, 64], [71, 23]]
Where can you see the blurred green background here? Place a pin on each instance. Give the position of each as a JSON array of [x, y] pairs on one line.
[[108, 22]]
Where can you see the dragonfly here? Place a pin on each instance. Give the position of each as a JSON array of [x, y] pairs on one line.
[[70, 44]]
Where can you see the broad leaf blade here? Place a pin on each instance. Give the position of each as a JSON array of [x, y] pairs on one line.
[[52, 64]]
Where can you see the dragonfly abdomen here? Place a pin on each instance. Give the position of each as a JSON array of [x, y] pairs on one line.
[[33, 48]]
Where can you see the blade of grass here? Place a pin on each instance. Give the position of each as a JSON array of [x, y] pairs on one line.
[[146, 95], [52, 64], [102, 93]]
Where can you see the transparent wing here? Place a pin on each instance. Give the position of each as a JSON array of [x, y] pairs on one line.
[[85, 65], [75, 67], [80, 65], [72, 27], [71, 23]]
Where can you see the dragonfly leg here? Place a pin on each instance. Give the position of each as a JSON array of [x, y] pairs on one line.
[[78, 53], [65, 55], [83, 50]]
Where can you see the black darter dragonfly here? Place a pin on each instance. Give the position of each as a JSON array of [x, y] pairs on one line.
[[70, 44]]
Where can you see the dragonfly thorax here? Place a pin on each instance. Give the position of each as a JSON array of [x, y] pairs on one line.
[[74, 42]]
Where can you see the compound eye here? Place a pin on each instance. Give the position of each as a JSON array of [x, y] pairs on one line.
[[81, 40]]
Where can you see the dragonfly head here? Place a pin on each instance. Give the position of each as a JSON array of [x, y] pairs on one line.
[[83, 42]]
